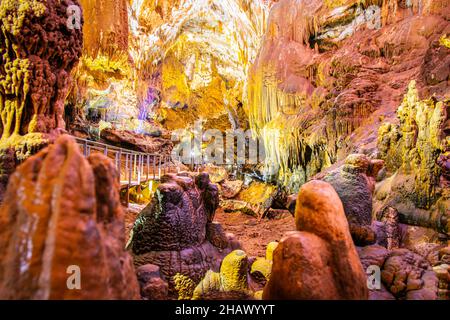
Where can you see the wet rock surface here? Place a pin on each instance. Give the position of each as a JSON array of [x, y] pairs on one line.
[[56, 206]]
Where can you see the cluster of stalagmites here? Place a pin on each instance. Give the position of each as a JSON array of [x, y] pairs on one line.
[[62, 212], [59, 203], [37, 53]]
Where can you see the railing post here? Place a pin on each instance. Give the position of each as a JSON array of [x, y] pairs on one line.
[[126, 165], [139, 169], [135, 167], [159, 168], [154, 167], [148, 166], [120, 164], [85, 146]]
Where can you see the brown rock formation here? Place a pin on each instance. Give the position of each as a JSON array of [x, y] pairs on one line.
[[354, 182], [176, 231], [408, 275], [63, 210], [153, 287], [137, 142], [319, 261], [37, 53], [390, 222]]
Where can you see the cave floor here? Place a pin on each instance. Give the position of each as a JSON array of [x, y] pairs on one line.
[[254, 235]]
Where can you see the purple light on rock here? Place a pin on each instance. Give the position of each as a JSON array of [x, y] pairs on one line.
[[147, 103]]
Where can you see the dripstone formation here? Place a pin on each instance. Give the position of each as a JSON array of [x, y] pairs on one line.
[[62, 212], [37, 52], [319, 261], [176, 230]]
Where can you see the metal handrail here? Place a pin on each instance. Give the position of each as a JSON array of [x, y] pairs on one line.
[[111, 147], [136, 167]]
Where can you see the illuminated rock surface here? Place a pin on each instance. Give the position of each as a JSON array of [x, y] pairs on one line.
[[329, 87], [172, 230], [230, 282], [324, 77], [37, 53], [58, 204], [319, 261]]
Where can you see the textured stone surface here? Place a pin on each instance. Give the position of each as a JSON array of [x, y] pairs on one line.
[[37, 54], [138, 142], [389, 218], [319, 261], [408, 275], [106, 23], [412, 150], [153, 287], [354, 183], [176, 230], [230, 188], [57, 206], [231, 281], [216, 235], [177, 216], [261, 268], [325, 78]]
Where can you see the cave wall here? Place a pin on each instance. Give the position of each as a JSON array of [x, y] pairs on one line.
[[197, 54], [327, 75], [107, 25]]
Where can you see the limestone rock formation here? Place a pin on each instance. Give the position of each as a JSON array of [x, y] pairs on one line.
[[354, 182], [184, 286], [197, 54], [329, 72], [107, 24], [255, 200], [319, 261], [389, 218], [176, 230], [261, 268], [408, 275], [412, 150], [138, 142], [63, 211], [405, 274], [230, 282], [230, 188], [37, 52]]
